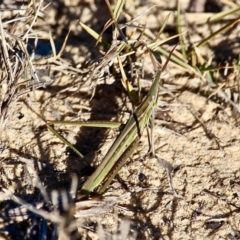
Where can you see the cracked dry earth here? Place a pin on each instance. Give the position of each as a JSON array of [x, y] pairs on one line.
[[197, 140]]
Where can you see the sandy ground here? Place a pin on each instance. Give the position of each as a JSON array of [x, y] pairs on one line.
[[197, 139]]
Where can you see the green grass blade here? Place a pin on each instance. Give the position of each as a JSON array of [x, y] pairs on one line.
[[118, 9], [221, 15], [93, 33], [100, 124], [163, 26], [64, 140]]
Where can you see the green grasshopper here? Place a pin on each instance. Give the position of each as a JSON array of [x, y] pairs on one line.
[[125, 143]]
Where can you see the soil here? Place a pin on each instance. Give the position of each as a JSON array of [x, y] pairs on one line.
[[192, 190]]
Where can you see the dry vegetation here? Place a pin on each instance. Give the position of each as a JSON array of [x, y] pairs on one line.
[[49, 71]]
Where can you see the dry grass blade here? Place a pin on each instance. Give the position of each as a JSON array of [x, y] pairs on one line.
[[94, 207], [8, 65], [52, 217], [153, 46], [196, 122], [179, 28], [65, 225], [12, 64], [221, 30], [34, 19]]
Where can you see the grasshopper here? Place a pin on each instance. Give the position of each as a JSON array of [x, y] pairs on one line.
[[125, 143]]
